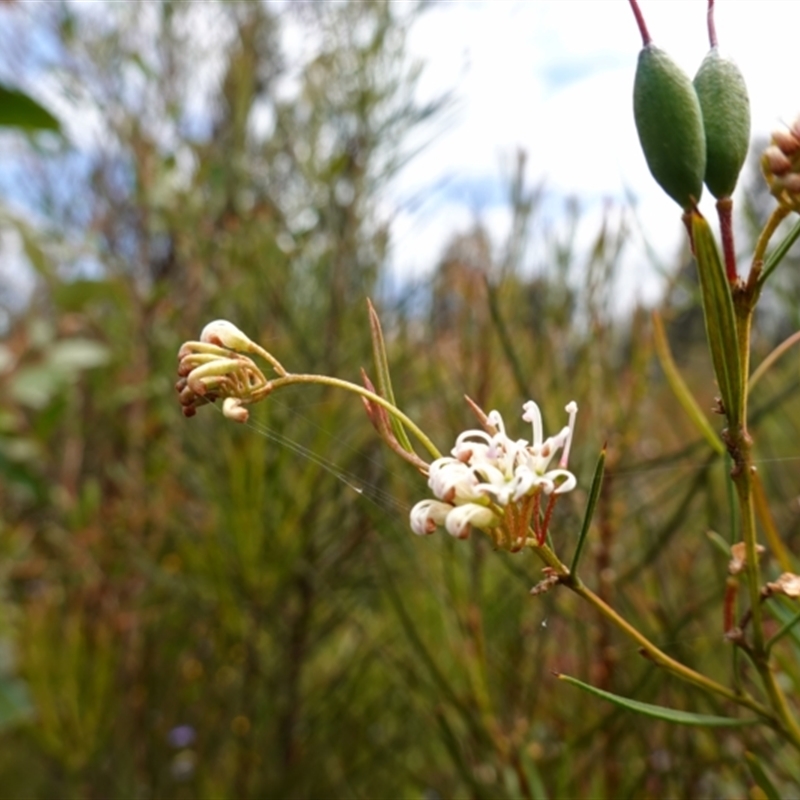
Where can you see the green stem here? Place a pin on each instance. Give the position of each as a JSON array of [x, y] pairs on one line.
[[659, 657], [762, 368], [740, 448], [267, 356], [778, 254], [775, 219], [780, 718], [325, 380]]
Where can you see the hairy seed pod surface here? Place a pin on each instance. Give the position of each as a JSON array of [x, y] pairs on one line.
[[670, 126], [725, 105]]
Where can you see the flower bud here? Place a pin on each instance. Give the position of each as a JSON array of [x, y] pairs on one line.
[[780, 164], [777, 161], [226, 334], [233, 409], [787, 141], [670, 126], [725, 105]]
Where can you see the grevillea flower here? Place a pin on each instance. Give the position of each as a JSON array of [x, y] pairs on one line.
[[780, 163], [494, 483], [216, 368]]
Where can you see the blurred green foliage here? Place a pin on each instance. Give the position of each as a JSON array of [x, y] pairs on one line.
[[19, 110], [191, 608]]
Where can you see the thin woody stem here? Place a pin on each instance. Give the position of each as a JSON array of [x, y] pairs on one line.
[[637, 13], [712, 29], [775, 219], [781, 720], [325, 380], [740, 447], [725, 214], [659, 657]]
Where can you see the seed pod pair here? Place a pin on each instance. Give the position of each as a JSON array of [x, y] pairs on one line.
[[691, 132]]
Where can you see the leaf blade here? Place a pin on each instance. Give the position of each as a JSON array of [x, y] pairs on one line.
[[662, 712], [384, 376], [594, 495], [19, 110], [679, 387], [720, 319]]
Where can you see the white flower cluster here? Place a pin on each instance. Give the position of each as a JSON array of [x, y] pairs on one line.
[[492, 481]]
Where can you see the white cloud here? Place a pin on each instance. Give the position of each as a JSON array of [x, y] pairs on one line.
[[555, 77]]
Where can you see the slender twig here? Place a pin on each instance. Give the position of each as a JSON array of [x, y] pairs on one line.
[[775, 219], [646, 39], [712, 29], [762, 368], [325, 380], [725, 214]]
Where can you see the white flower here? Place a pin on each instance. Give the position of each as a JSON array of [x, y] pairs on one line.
[[542, 452], [452, 480], [490, 477], [461, 517], [427, 514]]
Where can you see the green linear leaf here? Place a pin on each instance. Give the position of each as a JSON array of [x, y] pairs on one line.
[[779, 252], [720, 319], [679, 387], [661, 712], [18, 110], [788, 622], [533, 777], [760, 777], [594, 494], [384, 376]]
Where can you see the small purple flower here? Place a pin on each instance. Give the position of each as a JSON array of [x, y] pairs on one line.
[[181, 736]]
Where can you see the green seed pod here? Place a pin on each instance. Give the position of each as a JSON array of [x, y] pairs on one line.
[[670, 126], [726, 118]]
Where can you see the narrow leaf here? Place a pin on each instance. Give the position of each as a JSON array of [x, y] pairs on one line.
[[384, 378], [721, 545], [18, 110], [789, 620], [719, 318], [760, 777], [594, 494], [679, 387], [536, 786], [661, 712]]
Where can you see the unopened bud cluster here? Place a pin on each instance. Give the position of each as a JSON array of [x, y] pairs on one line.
[[495, 483], [781, 166], [212, 369]]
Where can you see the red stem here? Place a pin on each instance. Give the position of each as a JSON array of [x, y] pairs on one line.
[[547, 514], [712, 30], [725, 213], [641, 23]]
